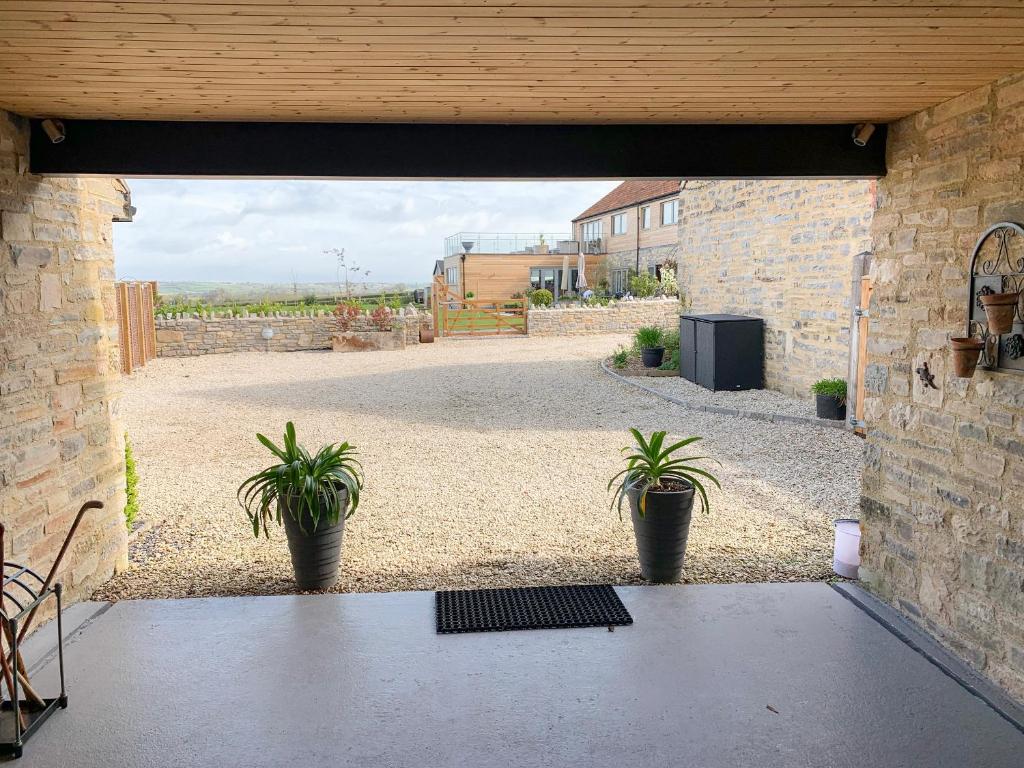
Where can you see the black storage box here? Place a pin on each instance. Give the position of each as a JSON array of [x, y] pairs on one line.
[[722, 351]]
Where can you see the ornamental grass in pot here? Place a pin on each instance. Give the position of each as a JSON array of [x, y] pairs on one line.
[[311, 495], [660, 487], [651, 341], [830, 398]]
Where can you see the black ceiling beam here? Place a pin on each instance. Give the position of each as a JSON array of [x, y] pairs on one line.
[[463, 151]]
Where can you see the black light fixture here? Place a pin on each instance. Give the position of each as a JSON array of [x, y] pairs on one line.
[[862, 133], [54, 129]]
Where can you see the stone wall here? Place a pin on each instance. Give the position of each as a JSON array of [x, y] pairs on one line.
[[216, 333], [647, 256], [943, 505], [620, 317], [60, 443], [782, 251]]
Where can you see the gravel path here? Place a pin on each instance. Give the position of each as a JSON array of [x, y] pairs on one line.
[[759, 400], [486, 465]]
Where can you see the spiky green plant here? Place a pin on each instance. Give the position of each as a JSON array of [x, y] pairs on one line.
[[620, 358], [313, 483], [831, 387], [650, 462], [649, 337]]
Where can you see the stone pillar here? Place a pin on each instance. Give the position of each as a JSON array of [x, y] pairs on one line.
[[943, 508], [60, 443]]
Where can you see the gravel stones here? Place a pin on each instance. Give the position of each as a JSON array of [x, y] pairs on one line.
[[486, 466]]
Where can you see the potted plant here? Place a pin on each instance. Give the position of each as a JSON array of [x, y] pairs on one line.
[[966, 351], [312, 495], [651, 340], [660, 488], [1000, 308], [830, 398]]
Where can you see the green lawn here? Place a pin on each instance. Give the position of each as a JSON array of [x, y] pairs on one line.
[[463, 320]]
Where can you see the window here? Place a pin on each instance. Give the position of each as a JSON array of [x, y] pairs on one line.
[[645, 217], [451, 275], [620, 280], [619, 224], [669, 212], [535, 278], [590, 230]]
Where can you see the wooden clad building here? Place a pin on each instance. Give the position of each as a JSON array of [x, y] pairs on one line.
[[495, 276]]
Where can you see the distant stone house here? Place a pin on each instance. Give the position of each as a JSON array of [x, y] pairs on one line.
[[635, 227]]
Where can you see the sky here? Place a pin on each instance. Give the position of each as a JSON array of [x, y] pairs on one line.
[[277, 231]]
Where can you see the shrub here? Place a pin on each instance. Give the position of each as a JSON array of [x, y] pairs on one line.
[[346, 312], [470, 294], [831, 387], [669, 283], [643, 285], [542, 297], [670, 341], [671, 362], [649, 337], [309, 299], [131, 485], [620, 358], [598, 301], [381, 318]]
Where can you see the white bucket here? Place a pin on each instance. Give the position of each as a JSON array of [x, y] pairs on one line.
[[846, 560]]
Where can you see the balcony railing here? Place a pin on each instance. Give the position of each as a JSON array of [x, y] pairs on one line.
[[502, 242]]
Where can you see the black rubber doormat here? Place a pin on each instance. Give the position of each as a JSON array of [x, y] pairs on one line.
[[497, 610]]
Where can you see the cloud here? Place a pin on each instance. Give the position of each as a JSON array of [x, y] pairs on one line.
[[268, 231]]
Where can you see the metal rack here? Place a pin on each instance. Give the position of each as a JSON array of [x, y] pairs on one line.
[[1001, 271], [26, 590]]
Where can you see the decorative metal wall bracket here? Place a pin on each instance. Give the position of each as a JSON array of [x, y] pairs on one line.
[[997, 266]]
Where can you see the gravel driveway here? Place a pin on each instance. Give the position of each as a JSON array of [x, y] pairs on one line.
[[486, 465]]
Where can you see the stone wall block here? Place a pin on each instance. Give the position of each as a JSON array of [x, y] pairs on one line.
[[957, 460]]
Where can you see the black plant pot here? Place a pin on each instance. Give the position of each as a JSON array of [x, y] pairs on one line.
[[830, 407], [652, 356], [662, 532], [316, 554]]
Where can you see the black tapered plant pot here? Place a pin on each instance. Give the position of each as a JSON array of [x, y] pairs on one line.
[[652, 356], [830, 407], [316, 554], [661, 532]]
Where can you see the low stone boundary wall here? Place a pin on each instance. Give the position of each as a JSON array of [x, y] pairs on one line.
[[620, 317], [214, 333]]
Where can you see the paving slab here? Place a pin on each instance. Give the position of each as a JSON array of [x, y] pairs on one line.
[[711, 676]]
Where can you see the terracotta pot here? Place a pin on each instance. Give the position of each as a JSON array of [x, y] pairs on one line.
[[1000, 309], [426, 334], [965, 355]]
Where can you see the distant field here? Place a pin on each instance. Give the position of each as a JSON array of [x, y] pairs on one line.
[[213, 292]]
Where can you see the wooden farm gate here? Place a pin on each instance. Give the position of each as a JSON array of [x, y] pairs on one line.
[[455, 315], [136, 326]]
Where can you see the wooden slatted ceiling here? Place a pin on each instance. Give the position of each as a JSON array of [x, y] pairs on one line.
[[502, 60]]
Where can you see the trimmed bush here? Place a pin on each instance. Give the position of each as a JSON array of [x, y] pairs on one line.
[[542, 297]]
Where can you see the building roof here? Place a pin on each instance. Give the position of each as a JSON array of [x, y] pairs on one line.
[[630, 193], [439, 267]]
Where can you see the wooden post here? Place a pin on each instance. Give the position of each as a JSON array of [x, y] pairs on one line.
[[866, 286], [123, 321]]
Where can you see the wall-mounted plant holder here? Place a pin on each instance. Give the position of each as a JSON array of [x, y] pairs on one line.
[[994, 313]]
